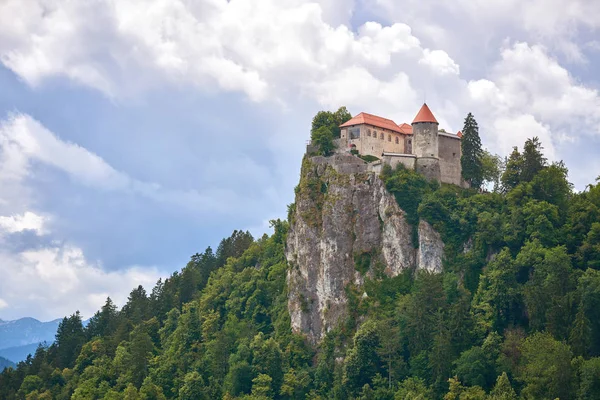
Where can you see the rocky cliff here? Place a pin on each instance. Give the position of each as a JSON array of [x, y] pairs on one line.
[[345, 226]]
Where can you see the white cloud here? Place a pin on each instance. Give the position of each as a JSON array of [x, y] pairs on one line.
[[21, 222], [440, 62], [30, 140], [533, 80], [58, 280], [512, 130], [356, 87], [530, 94], [266, 49], [475, 28], [23, 140]]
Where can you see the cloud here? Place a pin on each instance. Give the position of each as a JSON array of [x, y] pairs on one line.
[[58, 280], [532, 80], [57, 276], [473, 30], [439, 62], [25, 221], [266, 49], [25, 142], [530, 94]]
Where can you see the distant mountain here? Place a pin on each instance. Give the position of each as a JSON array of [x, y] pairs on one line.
[[26, 331], [22, 336], [4, 363], [20, 353]]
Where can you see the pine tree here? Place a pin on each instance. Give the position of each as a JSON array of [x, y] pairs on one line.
[[472, 153], [104, 322], [580, 336], [512, 174], [533, 159], [503, 389], [70, 337]]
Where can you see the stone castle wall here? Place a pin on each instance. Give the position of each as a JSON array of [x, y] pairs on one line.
[[429, 167], [449, 155], [393, 159], [425, 139]]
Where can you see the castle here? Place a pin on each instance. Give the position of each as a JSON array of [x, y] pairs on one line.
[[420, 146]]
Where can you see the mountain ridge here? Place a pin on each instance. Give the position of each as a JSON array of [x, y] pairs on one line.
[[25, 331]]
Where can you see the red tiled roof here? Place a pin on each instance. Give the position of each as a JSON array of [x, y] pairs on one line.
[[425, 115], [459, 134], [406, 128], [374, 120]]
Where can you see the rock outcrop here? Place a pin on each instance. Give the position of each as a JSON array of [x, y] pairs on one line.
[[345, 225]]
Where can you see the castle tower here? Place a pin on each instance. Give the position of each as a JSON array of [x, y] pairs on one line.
[[425, 143]]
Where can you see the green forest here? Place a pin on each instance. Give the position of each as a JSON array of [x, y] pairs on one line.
[[515, 314]]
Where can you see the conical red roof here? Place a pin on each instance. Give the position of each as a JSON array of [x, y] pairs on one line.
[[425, 115]]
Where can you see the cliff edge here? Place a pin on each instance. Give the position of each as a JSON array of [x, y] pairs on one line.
[[345, 225]]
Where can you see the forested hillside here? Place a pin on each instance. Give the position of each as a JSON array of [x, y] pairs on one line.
[[515, 314]]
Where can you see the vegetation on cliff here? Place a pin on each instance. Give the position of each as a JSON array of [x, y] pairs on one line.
[[515, 314], [326, 127]]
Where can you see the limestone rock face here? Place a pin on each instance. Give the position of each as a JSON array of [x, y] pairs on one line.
[[431, 248], [345, 226]]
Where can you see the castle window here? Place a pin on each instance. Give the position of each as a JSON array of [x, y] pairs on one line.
[[368, 132], [381, 136], [354, 133], [396, 139], [389, 138]]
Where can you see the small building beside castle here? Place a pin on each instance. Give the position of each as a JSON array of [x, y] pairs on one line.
[[421, 146]]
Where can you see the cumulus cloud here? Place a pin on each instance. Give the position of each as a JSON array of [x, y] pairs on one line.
[[440, 62], [265, 49], [473, 30], [21, 222], [58, 280], [530, 94]]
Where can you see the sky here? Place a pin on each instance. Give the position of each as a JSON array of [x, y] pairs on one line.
[[135, 133]]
